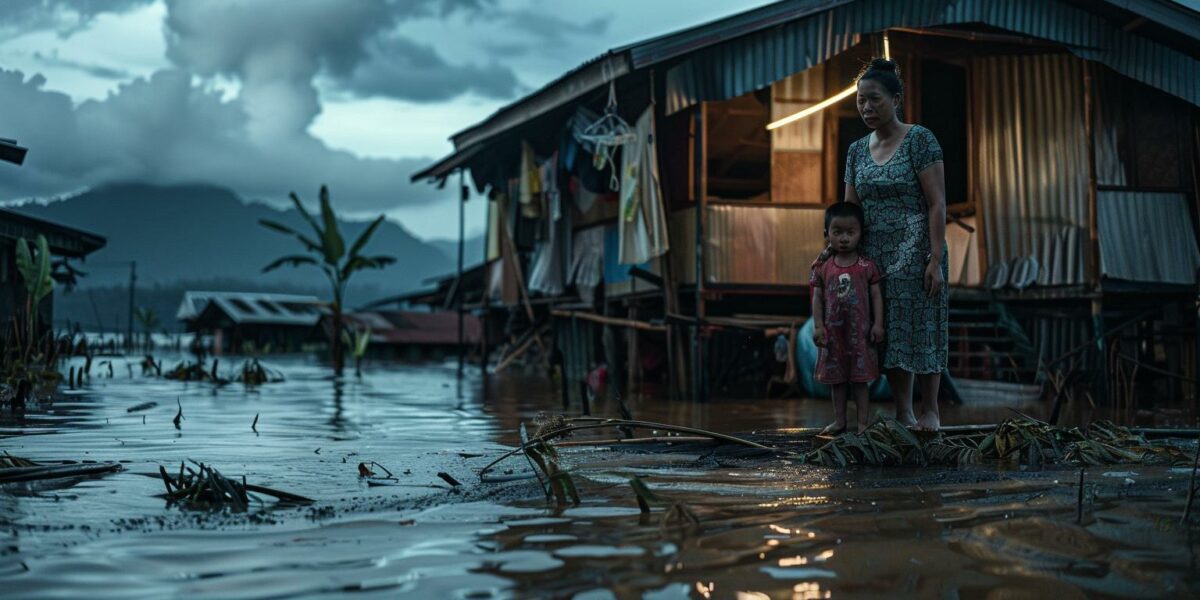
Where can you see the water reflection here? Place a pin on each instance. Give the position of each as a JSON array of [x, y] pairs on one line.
[[768, 529]]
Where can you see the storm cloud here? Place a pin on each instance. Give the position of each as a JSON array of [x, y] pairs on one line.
[[167, 129], [63, 16], [237, 105]]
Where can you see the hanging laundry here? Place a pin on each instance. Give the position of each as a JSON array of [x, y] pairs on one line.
[[546, 273], [587, 262], [530, 182], [642, 222], [548, 175]]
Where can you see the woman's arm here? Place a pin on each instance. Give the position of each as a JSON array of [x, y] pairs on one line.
[[851, 195], [933, 184]]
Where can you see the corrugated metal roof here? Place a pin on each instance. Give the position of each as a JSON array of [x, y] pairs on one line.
[[250, 307], [748, 51], [62, 239], [678, 43], [393, 327], [754, 61], [1147, 236]]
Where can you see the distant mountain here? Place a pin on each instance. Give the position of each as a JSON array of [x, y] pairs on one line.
[[472, 250], [203, 232]]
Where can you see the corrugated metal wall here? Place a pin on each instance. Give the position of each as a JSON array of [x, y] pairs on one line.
[[762, 245], [748, 244], [756, 60], [1106, 110], [1147, 236], [1031, 160]]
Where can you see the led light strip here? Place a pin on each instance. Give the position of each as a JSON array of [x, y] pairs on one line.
[[826, 103]]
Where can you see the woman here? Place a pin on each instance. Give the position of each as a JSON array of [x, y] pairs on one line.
[[896, 175]]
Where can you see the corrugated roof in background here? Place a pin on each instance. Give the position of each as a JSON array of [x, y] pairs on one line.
[[252, 307], [1147, 236]]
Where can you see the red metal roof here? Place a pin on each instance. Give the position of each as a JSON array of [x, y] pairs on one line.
[[415, 328]]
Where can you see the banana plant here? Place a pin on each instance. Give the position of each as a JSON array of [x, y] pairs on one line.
[[358, 346], [148, 320], [326, 249], [35, 272]]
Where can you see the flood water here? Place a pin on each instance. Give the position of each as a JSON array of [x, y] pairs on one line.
[[767, 528]]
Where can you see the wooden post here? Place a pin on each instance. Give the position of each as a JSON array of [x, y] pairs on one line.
[[485, 299], [699, 341], [1093, 262], [631, 354], [1093, 255], [458, 289]]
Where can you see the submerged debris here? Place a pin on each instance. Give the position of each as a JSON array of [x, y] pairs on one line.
[[1021, 439], [191, 371], [15, 468], [205, 488], [253, 373]]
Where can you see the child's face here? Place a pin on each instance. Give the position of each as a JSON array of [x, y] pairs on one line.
[[844, 233]]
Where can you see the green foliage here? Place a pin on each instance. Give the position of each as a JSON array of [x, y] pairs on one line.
[[147, 319], [358, 344], [326, 249], [35, 273]]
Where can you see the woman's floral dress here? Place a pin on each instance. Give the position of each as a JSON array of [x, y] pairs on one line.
[[897, 239]]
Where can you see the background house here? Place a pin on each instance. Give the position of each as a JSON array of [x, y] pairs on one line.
[[66, 243], [244, 322]]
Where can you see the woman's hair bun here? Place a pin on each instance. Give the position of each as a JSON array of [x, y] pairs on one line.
[[884, 64]]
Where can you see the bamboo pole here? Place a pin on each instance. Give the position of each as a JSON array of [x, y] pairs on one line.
[[587, 316]]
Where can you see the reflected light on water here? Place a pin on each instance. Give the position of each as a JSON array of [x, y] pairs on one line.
[[824, 556], [809, 590], [795, 561], [705, 590], [796, 501], [752, 596]]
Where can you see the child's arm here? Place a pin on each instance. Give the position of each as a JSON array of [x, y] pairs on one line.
[[818, 315], [877, 332]]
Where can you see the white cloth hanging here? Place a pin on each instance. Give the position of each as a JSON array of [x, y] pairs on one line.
[[587, 261], [642, 222], [549, 258]]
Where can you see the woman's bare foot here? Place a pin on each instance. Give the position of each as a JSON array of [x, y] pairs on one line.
[[834, 428], [930, 421], [908, 420]]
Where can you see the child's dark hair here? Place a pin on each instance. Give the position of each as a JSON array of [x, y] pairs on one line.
[[886, 72], [844, 209]]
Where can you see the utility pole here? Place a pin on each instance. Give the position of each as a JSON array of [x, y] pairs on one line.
[[132, 287], [458, 289]]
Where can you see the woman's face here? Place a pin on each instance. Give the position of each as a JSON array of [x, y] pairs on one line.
[[876, 105]]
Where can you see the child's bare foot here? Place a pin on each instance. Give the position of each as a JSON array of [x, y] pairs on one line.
[[908, 420], [834, 428], [930, 421]]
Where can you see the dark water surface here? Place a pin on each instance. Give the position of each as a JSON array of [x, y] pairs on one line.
[[768, 528]]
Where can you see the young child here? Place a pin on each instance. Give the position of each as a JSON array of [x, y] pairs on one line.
[[847, 312]]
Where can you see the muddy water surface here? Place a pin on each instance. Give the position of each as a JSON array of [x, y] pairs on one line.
[[766, 528]]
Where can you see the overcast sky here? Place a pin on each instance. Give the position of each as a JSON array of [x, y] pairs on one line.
[[268, 96]]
